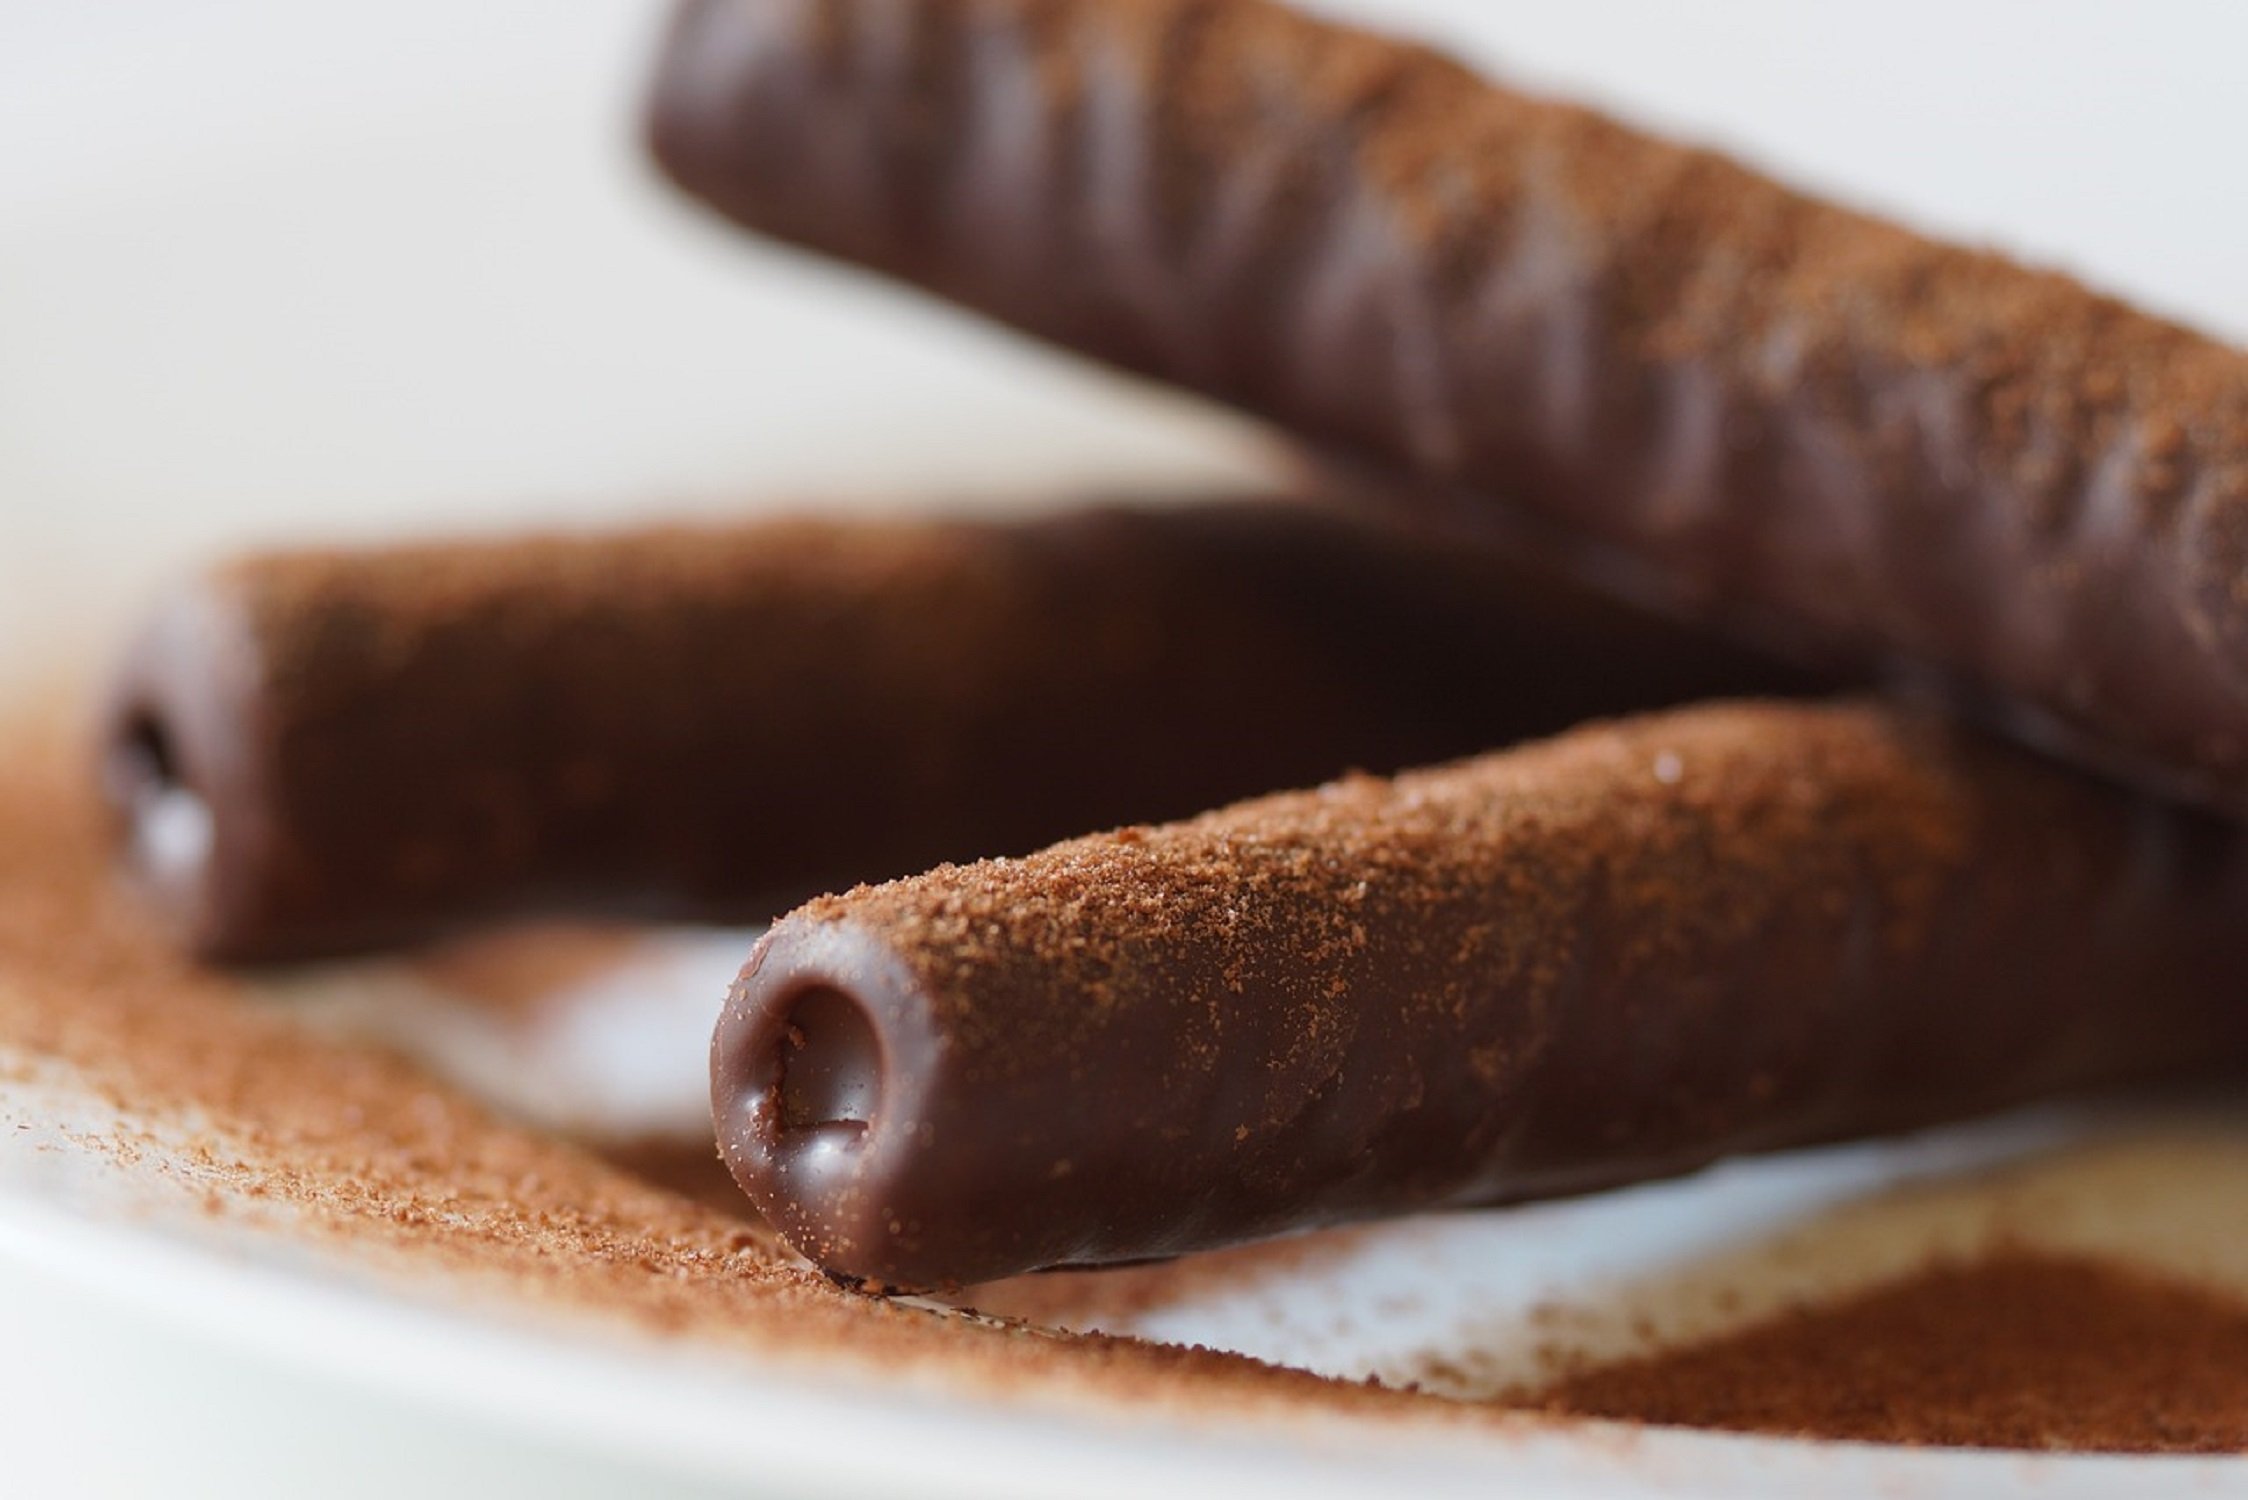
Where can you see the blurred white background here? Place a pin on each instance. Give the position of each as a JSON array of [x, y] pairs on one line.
[[269, 268]]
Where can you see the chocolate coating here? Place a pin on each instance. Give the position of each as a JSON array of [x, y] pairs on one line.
[[324, 752], [1615, 955], [1722, 396]]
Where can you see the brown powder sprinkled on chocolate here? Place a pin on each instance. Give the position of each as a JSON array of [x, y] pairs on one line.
[[2020, 1350], [1619, 954], [400, 1174], [403, 1174], [1753, 404], [325, 752]]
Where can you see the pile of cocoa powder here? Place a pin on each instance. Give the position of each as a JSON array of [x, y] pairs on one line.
[[2019, 1350], [406, 1176]]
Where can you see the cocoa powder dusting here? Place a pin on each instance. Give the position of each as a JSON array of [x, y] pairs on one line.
[[1826, 432], [2020, 1350], [408, 1178]]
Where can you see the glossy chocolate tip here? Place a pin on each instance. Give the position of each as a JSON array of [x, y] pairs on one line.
[[176, 764], [168, 827], [817, 1068]]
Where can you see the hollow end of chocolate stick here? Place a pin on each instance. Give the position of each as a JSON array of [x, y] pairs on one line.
[[166, 819], [905, 1133], [817, 1063], [827, 1070], [173, 750]]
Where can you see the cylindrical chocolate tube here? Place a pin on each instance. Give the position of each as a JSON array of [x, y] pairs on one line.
[[1728, 398], [1616, 955], [322, 752]]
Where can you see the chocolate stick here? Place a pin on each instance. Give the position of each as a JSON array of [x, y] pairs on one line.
[[1612, 956], [334, 751], [1721, 395]]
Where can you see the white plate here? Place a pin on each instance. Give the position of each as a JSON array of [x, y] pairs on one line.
[[269, 269]]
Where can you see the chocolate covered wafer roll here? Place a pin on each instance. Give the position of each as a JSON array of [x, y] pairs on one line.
[[1612, 956], [322, 752], [1727, 397]]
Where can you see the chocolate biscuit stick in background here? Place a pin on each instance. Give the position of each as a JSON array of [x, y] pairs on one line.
[[1720, 395], [1616, 955], [333, 751]]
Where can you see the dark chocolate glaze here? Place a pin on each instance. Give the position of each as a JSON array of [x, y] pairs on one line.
[[1730, 399], [323, 752], [1616, 955]]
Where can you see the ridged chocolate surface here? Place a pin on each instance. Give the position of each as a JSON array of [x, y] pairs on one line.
[[1726, 397], [1615, 955], [332, 751]]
